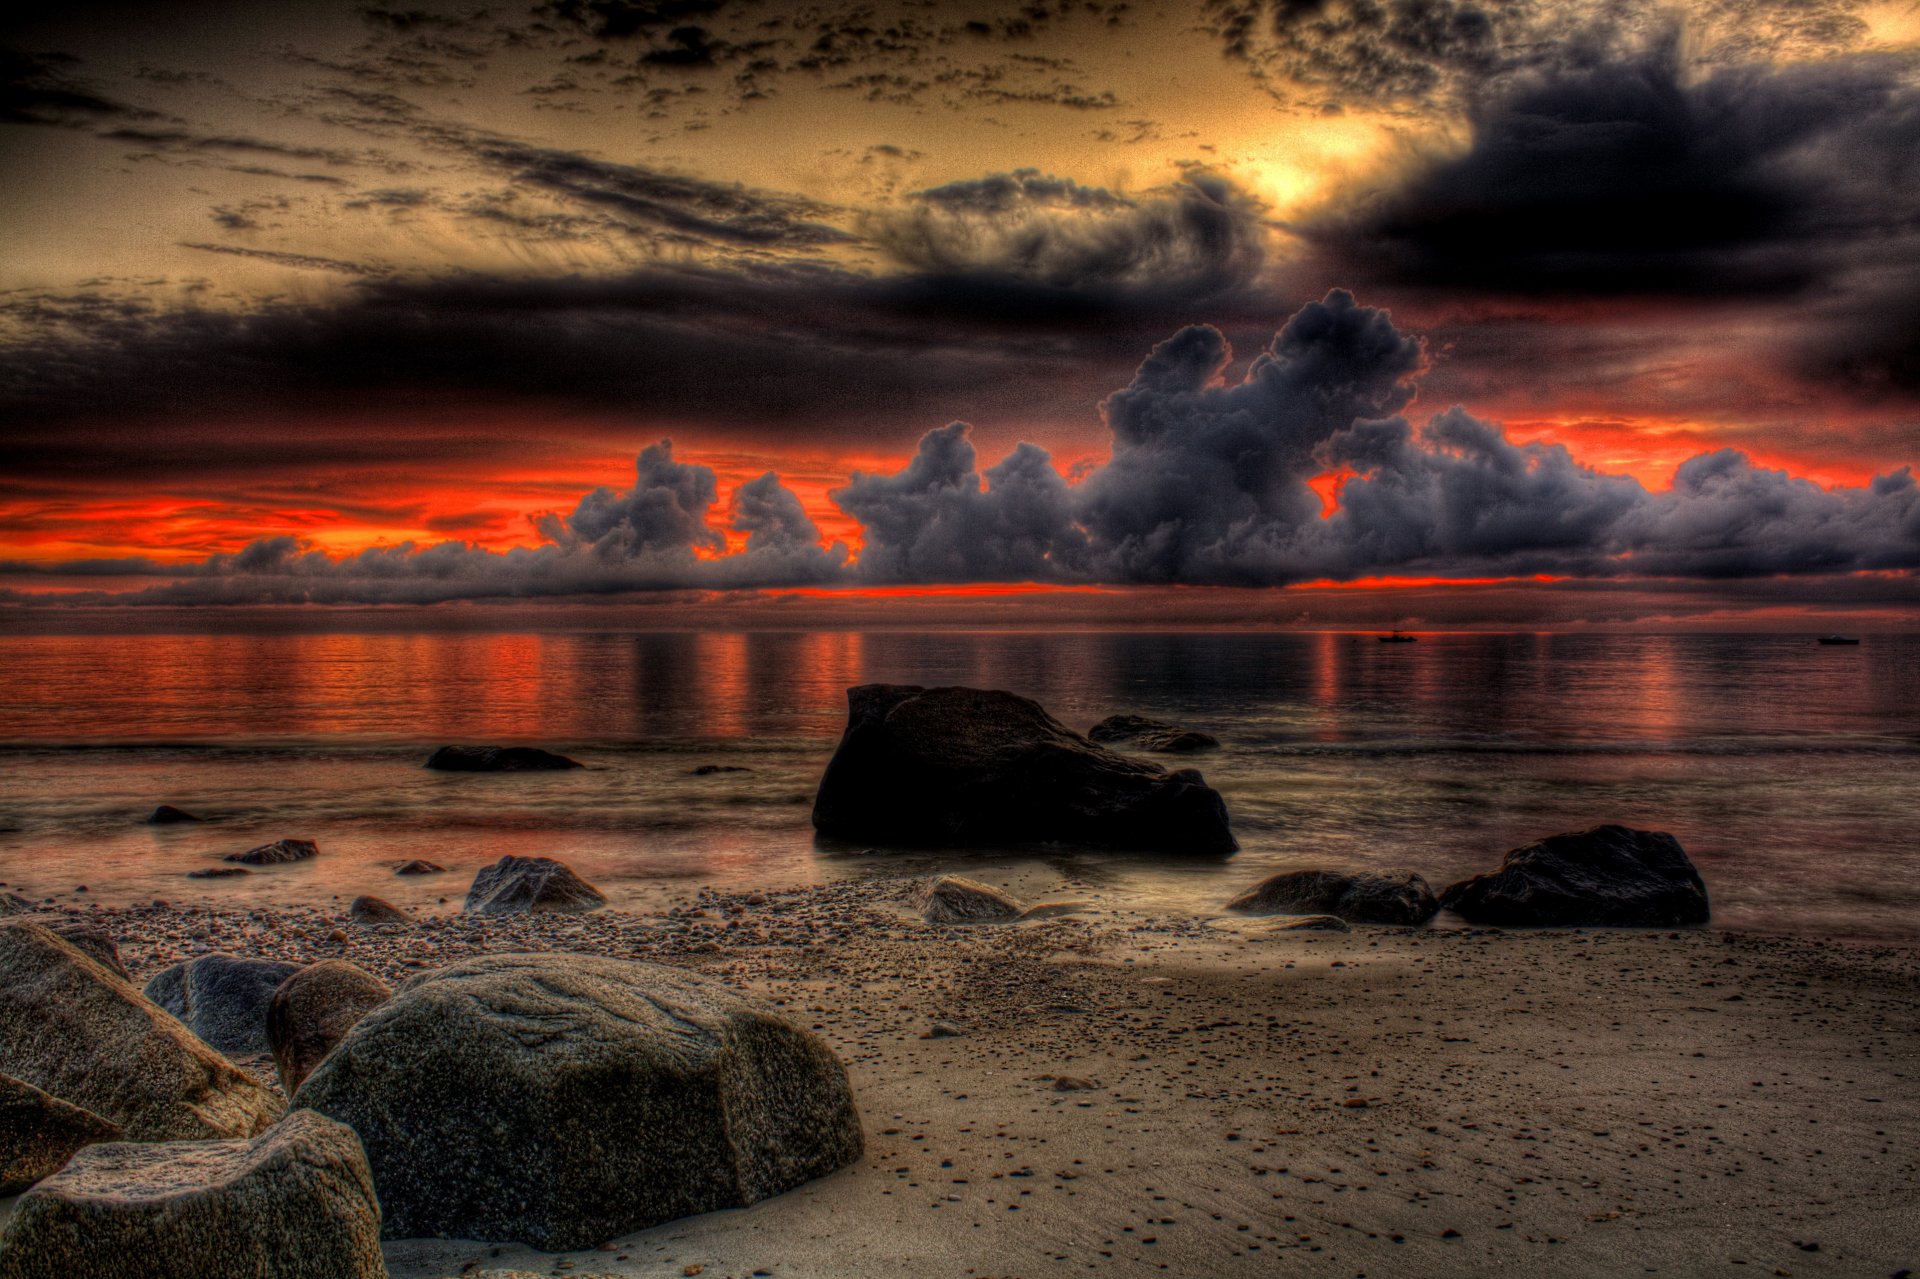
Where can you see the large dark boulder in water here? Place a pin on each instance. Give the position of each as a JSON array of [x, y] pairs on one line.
[[73, 1028], [278, 853], [498, 759], [39, 1133], [222, 998], [540, 885], [1362, 897], [313, 1010], [294, 1203], [168, 815], [1608, 876], [561, 1100], [975, 767], [1155, 735]]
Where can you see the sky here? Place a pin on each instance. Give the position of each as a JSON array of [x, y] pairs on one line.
[[1450, 311]]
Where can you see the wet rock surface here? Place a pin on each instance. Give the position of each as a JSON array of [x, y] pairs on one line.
[[1362, 897], [168, 815], [498, 759], [531, 885], [1142, 733], [313, 1010], [950, 899], [222, 998], [1610, 875], [278, 853]]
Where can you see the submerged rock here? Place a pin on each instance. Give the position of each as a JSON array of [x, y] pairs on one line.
[[313, 1010], [222, 998], [218, 872], [72, 1028], [1608, 876], [418, 867], [168, 815], [953, 900], [972, 767], [562, 1100], [708, 770], [1365, 897], [1156, 735], [279, 852], [498, 759], [39, 1133], [296, 1202], [537, 884], [370, 911]]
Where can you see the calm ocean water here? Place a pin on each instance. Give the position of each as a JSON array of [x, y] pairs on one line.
[[1791, 772]]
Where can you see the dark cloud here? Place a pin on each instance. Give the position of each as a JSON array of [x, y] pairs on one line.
[[38, 89], [300, 261]]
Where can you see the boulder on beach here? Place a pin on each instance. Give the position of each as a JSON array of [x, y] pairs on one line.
[[1362, 897], [953, 900], [973, 767], [1156, 735], [95, 943], [296, 1202], [1608, 876], [313, 1010], [71, 1027], [372, 911], [168, 815], [514, 885], [39, 1133], [561, 1100], [279, 852], [498, 759], [419, 867], [222, 998]]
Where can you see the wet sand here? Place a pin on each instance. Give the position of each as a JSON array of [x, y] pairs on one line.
[[1126, 1093]]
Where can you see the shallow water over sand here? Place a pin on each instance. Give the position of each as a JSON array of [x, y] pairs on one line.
[[1787, 769]]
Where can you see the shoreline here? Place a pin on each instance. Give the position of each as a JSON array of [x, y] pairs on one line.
[[1591, 1101]]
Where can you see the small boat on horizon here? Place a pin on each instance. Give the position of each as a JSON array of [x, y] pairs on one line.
[[1838, 639], [1398, 638]]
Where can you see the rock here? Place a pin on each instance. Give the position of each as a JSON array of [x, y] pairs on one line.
[[561, 1100], [89, 941], [14, 904], [39, 1133], [71, 1027], [313, 1010], [369, 911], [953, 900], [279, 852], [1156, 735], [168, 815], [708, 770], [498, 759], [1307, 924], [963, 766], [1608, 876], [418, 867], [295, 1202], [218, 872], [537, 884], [1365, 897], [222, 998]]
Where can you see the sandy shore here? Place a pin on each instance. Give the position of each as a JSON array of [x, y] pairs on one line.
[[1149, 1095]]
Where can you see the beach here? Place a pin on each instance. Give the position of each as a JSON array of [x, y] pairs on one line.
[[1139, 1093]]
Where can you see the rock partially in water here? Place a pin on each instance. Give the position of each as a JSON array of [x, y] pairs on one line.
[[1142, 733], [222, 998], [419, 867], [168, 815], [708, 770], [313, 1010], [1610, 876], [218, 872], [296, 1202], [278, 853], [373, 911], [498, 759], [537, 884], [951, 899], [1363, 897], [73, 1028], [39, 1133], [953, 767], [562, 1100]]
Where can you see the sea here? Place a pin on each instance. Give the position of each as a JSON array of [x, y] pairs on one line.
[[1790, 771]]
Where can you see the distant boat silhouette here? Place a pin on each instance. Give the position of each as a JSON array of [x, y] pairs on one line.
[[1838, 639], [1398, 638]]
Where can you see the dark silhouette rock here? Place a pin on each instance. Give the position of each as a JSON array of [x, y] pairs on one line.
[[1608, 876], [222, 998], [39, 1133], [295, 1202], [708, 770], [278, 853], [971, 767], [313, 1010], [418, 867], [953, 900], [1364, 897], [372, 911], [536, 884], [498, 759], [218, 872], [72, 1028], [562, 1100], [1156, 735], [168, 815]]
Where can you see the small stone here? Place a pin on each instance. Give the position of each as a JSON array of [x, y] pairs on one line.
[[278, 853]]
